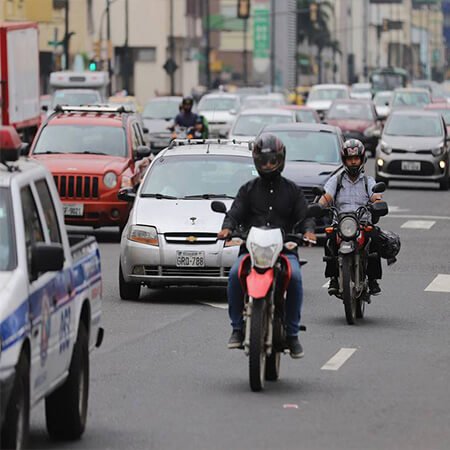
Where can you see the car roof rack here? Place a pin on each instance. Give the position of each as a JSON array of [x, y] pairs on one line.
[[93, 109], [179, 142]]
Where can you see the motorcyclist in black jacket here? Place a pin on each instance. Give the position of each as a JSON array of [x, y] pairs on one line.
[[186, 118]]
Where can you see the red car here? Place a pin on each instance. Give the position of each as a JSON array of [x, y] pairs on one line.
[[358, 120], [444, 109], [91, 152], [303, 113]]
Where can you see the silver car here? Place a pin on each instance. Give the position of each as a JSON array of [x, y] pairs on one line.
[[171, 234]]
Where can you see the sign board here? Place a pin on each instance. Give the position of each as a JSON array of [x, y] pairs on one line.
[[261, 33]]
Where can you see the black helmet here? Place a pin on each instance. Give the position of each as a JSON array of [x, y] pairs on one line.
[[353, 147], [269, 149], [187, 101]]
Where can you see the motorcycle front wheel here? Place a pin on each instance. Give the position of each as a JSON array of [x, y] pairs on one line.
[[257, 351], [348, 291]]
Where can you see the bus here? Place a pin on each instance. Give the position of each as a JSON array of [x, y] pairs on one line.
[[388, 79]]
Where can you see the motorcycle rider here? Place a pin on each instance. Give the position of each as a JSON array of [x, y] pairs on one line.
[[272, 201], [200, 129], [186, 118], [348, 190]]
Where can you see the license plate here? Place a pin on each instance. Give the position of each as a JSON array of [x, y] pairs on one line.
[[73, 209], [190, 259], [411, 166]]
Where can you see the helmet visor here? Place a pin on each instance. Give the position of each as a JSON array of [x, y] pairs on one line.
[[268, 162]]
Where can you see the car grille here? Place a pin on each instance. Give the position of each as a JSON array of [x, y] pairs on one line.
[[417, 152], [171, 271], [307, 190], [395, 168], [72, 186], [191, 238]]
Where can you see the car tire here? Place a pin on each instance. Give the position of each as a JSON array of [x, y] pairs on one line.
[[14, 433], [128, 291], [444, 184]]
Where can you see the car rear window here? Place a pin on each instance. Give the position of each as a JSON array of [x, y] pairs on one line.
[[8, 259], [82, 139], [355, 111], [252, 124], [411, 125]]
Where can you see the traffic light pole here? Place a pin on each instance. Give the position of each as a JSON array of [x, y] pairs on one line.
[[244, 53], [108, 37], [66, 36], [172, 50], [272, 46], [208, 44]]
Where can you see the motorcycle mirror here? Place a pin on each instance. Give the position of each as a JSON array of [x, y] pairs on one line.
[[379, 209], [318, 191], [218, 207], [379, 187], [315, 210]]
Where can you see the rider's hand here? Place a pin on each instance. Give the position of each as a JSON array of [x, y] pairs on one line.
[[310, 237], [376, 198], [224, 234]]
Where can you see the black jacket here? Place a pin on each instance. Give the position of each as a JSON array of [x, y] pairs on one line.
[[274, 204], [186, 119]]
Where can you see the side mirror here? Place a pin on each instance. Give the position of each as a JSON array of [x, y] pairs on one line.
[[218, 207], [142, 151], [44, 108], [145, 130], [315, 210], [379, 209], [127, 195], [24, 149], [46, 258], [318, 191], [379, 187]]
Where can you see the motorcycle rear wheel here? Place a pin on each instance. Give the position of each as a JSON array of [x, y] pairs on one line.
[[257, 351], [348, 294]]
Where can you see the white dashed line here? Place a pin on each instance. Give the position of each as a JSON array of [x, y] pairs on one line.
[[440, 284], [336, 362], [396, 209], [419, 224], [215, 305], [409, 216]]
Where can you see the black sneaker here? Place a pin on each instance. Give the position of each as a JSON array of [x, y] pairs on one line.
[[236, 339], [333, 287], [294, 347], [374, 287]]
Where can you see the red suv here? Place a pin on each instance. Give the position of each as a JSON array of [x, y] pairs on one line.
[[91, 152]]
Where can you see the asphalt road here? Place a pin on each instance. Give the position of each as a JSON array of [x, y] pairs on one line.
[[164, 379]]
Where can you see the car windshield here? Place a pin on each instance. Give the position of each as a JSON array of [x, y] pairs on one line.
[[357, 111], [445, 114], [411, 99], [8, 260], [420, 126], [198, 176], [76, 98], [327, 94], [217, 104], [303, 115], [387, 81], [382, 99], [252, 124], [161, 109], [262, 102], [89, 139], [313, 146]]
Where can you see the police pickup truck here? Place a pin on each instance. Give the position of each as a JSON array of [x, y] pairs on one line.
[[50, 303]]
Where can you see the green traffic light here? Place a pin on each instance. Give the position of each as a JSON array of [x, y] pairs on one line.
[[92, 66]]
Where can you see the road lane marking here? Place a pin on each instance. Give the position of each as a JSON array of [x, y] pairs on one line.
[[440, 284], [419, 224], [215, 305], [397, 209], [409, 216], [337, 361], [290, 406]]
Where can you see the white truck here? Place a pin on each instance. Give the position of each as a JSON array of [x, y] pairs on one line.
[[19, 77], [50, 303]]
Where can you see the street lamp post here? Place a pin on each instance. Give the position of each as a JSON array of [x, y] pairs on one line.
[[172, 50], [66, 36], [108, 38]]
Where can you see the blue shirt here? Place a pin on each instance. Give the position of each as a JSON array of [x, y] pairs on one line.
[[352, 194], [186, 119]]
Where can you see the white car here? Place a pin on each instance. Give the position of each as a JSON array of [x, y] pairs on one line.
[[321, 96], [250, 122], [272, 100], [171, 235], [220, 110], [361, 91], [382, 102]]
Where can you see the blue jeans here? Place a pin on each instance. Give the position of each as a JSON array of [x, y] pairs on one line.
[[293, 302]]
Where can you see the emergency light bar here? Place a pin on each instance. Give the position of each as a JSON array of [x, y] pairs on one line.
[[10, 144], [178, 142], [94, 109]]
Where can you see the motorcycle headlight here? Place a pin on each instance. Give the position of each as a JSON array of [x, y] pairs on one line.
[[348, 227], [143, 235], [262, 256], [385, 148], [110, 180], [438, 151]]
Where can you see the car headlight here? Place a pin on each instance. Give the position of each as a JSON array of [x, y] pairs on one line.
[[110, 180], [385, 148], [262, 256], [143, 235], [348, 227], [438, 151]]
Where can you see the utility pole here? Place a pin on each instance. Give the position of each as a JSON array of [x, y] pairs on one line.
[[272, 45], [108, 37], [208, 44], [244, 53], [365, 38], [126, 59], [66, 36], [172, 50]]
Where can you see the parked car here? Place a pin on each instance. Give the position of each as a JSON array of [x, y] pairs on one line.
[[443, 109], [361, 91], [171, 236], [322, 95], [91, 152], [410, 98], [414, 147], [220, 110], [263, 101], [158, 115], [50, 305], [382, 101], [312, 155], [358, 120], [251, 121], [303, 113]]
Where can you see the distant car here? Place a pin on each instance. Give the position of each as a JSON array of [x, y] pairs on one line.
[[414, 147], [358, 120], [312, 155], [361, 91], [127, 101], [410, 98], [220, 110], [437, 91], [171, 237], [75, 97], [322, 95], [382, 101], [263, 101], [442, 108], [251, 121], [303, 113], [159, 114]]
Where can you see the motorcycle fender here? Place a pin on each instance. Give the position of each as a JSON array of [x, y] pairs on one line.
[[258, 284], [346, 247]]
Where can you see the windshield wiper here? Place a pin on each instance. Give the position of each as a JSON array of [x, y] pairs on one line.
[[47, 152], [159, 196], [206, 196], [88, 152]]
